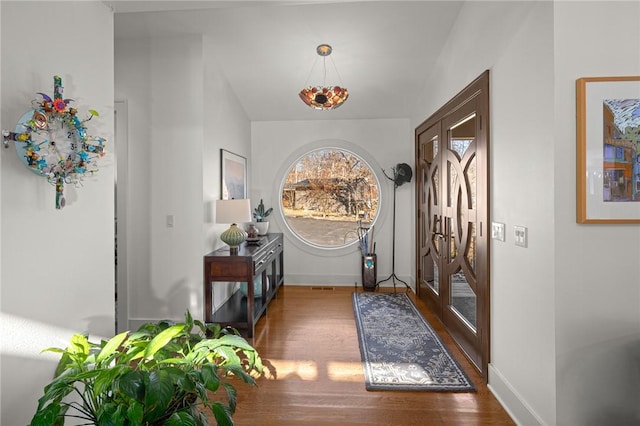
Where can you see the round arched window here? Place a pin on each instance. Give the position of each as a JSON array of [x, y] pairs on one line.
[[330, 197]]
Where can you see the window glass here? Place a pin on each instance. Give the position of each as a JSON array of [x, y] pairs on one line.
[[328, 196]]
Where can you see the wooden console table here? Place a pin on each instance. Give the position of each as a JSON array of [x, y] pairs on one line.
[[240, 311]]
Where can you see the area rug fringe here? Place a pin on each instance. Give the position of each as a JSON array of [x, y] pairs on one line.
[[399, 348]]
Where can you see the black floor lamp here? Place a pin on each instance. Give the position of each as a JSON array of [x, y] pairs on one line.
[[401, 174]]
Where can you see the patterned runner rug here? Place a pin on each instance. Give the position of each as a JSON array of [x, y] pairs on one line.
[[400, 350]]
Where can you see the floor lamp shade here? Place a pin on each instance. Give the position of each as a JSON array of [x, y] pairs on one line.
[[233, 212]]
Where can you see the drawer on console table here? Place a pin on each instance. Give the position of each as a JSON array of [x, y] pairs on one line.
[[265, 256], [229, 270]]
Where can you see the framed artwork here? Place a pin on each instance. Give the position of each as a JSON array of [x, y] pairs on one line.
[[233, 179], [607, 149]]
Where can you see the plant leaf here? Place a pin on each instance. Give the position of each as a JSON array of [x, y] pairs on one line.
[[103, 382], [229, 354], [236, 341], [110, 414], [213, 330], [56, 350], [111, 346], [185, 383], [222, 414], [162, 339], [232, 394], [225, 340], [46, 416], [210, 377], [159, 394], [188, 319], [132, 385], [65, 362], [135, 413], [238, 370], [182, 418], [79, 346], [56, 390], [138, 335]]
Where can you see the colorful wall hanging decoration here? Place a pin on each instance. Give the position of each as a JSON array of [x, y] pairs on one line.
[[608, 149], [53, 141]]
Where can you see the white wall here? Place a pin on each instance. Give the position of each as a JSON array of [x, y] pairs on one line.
[[181, 112], [514, 40], [56, 265], [275, 145], [225, 126], [598, 266]]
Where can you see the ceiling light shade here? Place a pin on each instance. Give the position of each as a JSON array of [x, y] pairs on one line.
[[324, 97]]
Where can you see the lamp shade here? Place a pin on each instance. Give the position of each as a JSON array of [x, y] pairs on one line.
[[233, 211]]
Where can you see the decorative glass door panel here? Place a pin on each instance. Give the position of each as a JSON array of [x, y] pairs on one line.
[[452, 211], [461, 195], [430, 251]]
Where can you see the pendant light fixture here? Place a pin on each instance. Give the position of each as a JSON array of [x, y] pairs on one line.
[[324, 97]]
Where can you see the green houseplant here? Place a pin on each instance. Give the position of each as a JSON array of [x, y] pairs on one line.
[[164, 374], [260, 214]]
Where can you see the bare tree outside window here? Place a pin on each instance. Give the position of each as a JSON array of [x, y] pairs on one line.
[[327, 194]]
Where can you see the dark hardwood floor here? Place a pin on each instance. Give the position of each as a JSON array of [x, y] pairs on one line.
[[309, 341]]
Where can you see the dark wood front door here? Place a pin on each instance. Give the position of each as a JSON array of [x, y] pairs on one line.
[[452, 210]]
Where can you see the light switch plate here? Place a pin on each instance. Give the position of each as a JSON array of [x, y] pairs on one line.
[[497, 231], [520, 235]]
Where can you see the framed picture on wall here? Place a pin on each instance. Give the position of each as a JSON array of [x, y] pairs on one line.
[[607, 141], [233, 179]]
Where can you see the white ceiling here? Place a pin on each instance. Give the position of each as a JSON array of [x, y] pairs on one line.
[[383, 50]]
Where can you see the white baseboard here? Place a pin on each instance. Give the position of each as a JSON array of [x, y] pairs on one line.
[[341, 281], [513, 403]]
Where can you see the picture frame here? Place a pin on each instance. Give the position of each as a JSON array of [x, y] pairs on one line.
[[233, 176], [607, 142]]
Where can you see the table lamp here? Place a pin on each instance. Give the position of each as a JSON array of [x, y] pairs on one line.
[[233, 212]]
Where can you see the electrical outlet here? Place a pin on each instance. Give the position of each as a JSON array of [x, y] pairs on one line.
[[520, 235], [497, 231]]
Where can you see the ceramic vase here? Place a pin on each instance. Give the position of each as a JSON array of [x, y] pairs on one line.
[[263, 227]]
